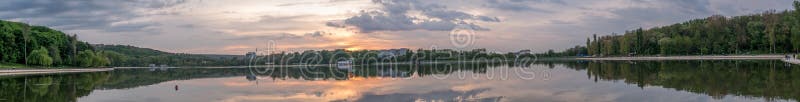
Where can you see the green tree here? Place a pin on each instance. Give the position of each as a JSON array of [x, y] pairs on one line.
[[764, 33], [115, 58], [85, 58], [667, 45], [796, 6], [796, 29], [596, 47], [99, 60], [589, 51], [40, 57]]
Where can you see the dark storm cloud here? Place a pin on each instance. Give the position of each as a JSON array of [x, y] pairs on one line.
[[393, 16], [82, 14]]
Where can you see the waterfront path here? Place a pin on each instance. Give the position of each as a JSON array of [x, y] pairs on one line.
[[731, 57], [11, 72]]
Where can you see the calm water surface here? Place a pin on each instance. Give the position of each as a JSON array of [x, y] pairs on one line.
[[556, 81]]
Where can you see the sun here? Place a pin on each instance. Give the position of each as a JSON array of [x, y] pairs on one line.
[[352, 49]]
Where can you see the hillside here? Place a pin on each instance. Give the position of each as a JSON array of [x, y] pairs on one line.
[[24, 45], [129, 50], [770, 32], [131, 56]]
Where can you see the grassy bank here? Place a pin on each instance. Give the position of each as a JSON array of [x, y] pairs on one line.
[[697, 57], [12, 65], [23, 66]]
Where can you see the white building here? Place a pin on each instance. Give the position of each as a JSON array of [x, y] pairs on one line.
[[392, 53], [522, 52]]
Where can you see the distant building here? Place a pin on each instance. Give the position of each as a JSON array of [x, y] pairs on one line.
[[522, 52], [345, 64], [250, 55], [479, 50], [392, 53]]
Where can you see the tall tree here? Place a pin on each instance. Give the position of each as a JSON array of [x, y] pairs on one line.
[[25, 39], [639, 43], [597, 44], [589, 46]]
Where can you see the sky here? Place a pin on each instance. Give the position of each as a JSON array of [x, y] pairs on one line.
[[239, 26]]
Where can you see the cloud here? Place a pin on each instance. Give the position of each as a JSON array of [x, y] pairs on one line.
[[108, 15], [520, 5], [318, 34], [277, 36], [445, 95], [653, 13], [186, 26], [396, 15], [283, 36]]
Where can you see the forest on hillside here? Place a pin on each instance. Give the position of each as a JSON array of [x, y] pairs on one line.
[[131, 56], [41, 46], [770, 32]]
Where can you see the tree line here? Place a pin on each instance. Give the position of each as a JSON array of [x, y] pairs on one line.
[[362, 57], [131, 56], [41, 46], [769, 32]]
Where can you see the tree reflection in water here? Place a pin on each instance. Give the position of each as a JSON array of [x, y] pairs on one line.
[[771, 80]]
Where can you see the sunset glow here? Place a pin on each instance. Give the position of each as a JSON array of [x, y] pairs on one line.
[[399, 50]]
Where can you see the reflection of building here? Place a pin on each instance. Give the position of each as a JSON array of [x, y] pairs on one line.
[[153, 67], [162, 67], [392, 53], [251, 77], [392, 72]]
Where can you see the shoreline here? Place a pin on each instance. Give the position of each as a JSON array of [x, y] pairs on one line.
[[15, 72], [702, 57]]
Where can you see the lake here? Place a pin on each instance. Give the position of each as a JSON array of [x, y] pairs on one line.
[[543, 81]]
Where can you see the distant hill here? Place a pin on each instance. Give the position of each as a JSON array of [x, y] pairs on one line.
[[130, 50], [126, 55], [39, 46]]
